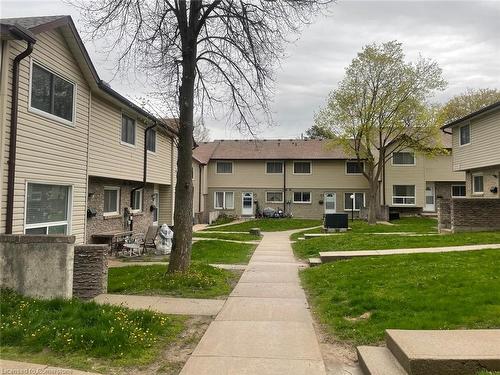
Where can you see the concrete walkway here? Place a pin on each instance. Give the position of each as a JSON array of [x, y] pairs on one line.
[[164, 305], [265, 326], [14, 367], [113, 263]]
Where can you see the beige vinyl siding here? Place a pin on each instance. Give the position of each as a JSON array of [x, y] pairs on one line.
[[439, 168], [197, 176], [484, 148], [325, 174], [406, 175], [108, 157], [47, 150]]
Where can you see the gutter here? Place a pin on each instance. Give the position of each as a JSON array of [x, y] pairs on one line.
[[20, 34]]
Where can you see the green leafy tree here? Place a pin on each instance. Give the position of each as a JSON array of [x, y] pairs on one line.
[[380, 107], [319, 132], [470, 101]]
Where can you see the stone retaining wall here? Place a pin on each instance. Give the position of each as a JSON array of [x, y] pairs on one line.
[[444, 213], [90, 276], [475, 214], [37, 265]]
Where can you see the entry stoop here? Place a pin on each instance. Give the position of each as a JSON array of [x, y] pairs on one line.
[[375, 360], [439, 352]]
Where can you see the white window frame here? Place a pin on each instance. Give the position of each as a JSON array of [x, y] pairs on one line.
[[460, 135], [136, 210], [474, 175], [68, 222], [302, 193], [276, 162], [458, 196], [42, 113], [156, 142], [404, 165], [355, 192], [275, 191], [121, 131], [354, 161], [223, 207], [303, 161], [223, 161], [118, 196], [405, 196]]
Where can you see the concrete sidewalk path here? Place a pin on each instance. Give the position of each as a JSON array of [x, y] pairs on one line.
[[14, 367], [114, 263], [164, 305], [265, 327]]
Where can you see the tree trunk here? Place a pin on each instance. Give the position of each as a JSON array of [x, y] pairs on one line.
[[180, 256], [373, 202]]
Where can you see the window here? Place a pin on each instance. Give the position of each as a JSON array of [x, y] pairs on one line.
[[352, 167], [458, 191], [128, 130], [302, 197], [465, 135], [477, 184], [274, 197], [224, 167], [51, 94], [151, 140], [359, 201], [111, 201], [403, 194], [302, 167], [224, 200], [274, 167], [47, 209], [137, 200], [403, 158]]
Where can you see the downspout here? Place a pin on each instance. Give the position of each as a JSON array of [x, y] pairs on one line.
[[284, 186], [13, 130], [144, 172], [383, 184], [200, 169]]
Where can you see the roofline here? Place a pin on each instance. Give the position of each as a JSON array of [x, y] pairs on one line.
[[17, 32], [472, 115]]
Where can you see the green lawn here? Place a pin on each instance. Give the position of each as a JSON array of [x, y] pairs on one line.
[[214, 252], [269, 225], [72, 333], [358, 299], [202, 281], [227, 236], [365, 241]]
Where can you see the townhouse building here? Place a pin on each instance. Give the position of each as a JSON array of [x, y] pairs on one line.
[[76, 157], [309, 178], [476, 150]]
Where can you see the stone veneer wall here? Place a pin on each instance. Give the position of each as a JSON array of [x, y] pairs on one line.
[[90, 276], [100, 223], [475, 214], [491, 178], [37, 265], [444, 213]]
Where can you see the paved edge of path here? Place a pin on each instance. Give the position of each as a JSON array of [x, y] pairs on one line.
[[265, 326], [15, 367]]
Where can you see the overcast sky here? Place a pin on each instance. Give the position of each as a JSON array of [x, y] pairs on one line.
[[463, 37]]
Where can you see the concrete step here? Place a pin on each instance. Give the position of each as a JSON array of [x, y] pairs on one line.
[[375, 360], [445, 352], [314, 262]]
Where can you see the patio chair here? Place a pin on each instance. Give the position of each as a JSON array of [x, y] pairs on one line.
[[149, 238]]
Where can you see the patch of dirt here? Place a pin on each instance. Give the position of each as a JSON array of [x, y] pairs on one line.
[[365, 316]]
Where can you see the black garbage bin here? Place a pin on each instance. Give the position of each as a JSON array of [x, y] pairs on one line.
[[336, 221]]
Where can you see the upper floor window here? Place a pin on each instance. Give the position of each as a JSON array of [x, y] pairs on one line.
[[224, 167], [477, 184], [302, 167], [458, 190], [403, 194], [128, 130], [151, 140], [465, 135], [52, 94], [137, 200], [353, 167], [403, 158], [274, 167]]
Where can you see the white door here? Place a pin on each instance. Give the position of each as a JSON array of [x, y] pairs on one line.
[[430, 198], [247, 204], [330, 202], [156, 211]]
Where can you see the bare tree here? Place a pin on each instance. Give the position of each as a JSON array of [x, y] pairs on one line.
[[200, 132], [207, 53]]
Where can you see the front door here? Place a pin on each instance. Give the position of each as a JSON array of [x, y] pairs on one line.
[[430, 199], [247, 204], [330, 203], [156, 203]]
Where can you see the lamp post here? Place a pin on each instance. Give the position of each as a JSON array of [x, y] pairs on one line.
[[352, 207]]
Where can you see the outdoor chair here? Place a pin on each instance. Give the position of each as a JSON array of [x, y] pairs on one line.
[[150, 237]]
